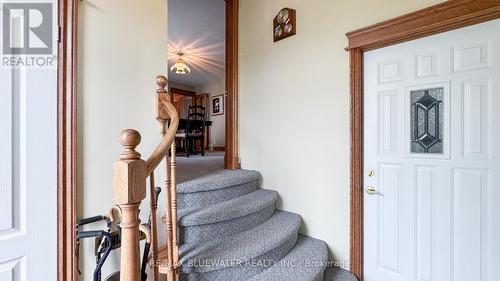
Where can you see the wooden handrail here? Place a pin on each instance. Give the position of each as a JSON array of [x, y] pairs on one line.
[[129, 183]]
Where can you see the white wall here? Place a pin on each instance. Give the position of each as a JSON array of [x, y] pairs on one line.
[[294, 105], [217, 131], [122, 47]]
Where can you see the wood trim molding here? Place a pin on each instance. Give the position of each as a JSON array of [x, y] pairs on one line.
[[439, 18], [177, 91], [219, 148], [356, 210], [231, 157], [66, 140], [452, 14]]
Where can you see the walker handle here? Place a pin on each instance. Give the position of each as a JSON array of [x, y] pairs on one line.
[[90, 220]]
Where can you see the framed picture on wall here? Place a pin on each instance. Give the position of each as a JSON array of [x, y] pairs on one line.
[[218, 105]]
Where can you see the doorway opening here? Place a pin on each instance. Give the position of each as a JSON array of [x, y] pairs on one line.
[[198, 80]]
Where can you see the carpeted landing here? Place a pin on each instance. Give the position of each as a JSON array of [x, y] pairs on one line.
[[230, 229]]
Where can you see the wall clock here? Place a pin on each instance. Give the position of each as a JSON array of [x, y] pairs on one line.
[[284, 24]]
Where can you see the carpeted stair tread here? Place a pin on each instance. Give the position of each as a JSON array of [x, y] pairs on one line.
[[200, 233], [216, 187], [272, 239], [338, 274], [218, 180], [306, 262], [228, 210], [226, 218]]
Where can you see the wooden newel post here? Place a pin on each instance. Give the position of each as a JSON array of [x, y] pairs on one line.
[[129, 190], [162, 94]]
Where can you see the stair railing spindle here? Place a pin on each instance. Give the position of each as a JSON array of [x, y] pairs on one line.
[[170, 218], [173, 187], [154, 228], [168, 223]]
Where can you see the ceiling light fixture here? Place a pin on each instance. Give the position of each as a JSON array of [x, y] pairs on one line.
[[180, 66]]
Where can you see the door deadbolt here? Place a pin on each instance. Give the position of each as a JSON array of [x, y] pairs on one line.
[[371, 173]]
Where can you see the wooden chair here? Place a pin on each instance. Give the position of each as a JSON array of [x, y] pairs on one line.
[[194, 131]]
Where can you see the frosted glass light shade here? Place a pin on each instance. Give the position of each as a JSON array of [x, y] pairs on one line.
[[180, 66]]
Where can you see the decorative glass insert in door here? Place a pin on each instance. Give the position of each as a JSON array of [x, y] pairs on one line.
[[427, 120]]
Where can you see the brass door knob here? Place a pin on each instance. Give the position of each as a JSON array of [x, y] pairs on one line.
[[370, 190]]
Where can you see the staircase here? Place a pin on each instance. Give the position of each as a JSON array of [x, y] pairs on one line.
[[230, 229], [219, 225]]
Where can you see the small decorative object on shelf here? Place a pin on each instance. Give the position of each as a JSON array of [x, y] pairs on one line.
[[284, 24]]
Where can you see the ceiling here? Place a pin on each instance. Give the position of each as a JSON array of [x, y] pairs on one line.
[[198, 28]]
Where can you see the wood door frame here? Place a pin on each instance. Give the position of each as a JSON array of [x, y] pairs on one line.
[[231, 157], [66, 139], [181, 92], [450, 15]]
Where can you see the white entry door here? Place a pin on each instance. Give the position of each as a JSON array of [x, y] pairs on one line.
[[28, 141], [432, 158]]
